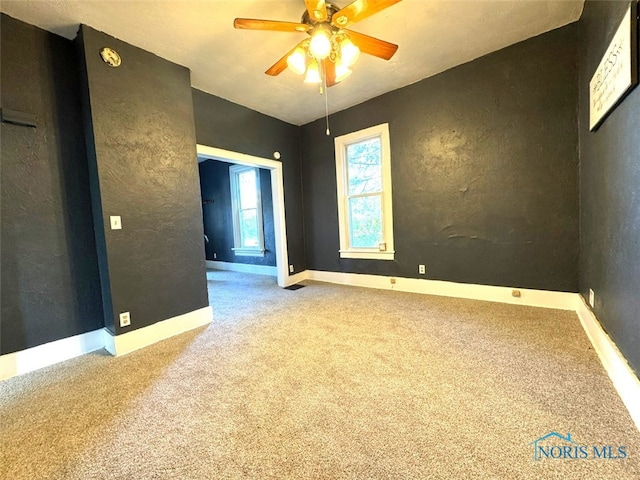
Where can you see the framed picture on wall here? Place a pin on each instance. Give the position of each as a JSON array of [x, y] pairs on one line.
[[617, 72]]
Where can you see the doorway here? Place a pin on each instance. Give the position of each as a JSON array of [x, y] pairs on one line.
[[277, 191]]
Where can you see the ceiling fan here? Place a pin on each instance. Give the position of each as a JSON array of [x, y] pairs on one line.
[[327, 55]]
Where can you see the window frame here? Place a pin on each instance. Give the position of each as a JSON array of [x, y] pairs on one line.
[[341, 143], [234, 184]]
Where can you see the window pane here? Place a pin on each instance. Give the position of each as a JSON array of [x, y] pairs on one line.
[[248, 194], [365, 166], [365, 218], [249, 228]]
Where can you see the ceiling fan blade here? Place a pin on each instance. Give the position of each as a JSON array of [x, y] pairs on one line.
[[281, 65], [359, 10], [372, 46], [330, 72], [272, 25], [317, 10]]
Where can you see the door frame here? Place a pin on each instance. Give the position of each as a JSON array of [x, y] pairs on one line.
[[277, 192]]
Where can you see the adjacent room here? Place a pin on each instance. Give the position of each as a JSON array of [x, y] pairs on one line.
[[409, 248]]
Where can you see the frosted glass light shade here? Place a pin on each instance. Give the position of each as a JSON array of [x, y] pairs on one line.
[[313, 73], [349, 53], [320, 45], [297, 61], [342, 71]]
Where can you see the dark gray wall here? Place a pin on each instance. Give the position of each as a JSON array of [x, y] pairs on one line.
[[50, 282], [142, 156], [223, 124], [218, 214], [610, 192], [484, 171]]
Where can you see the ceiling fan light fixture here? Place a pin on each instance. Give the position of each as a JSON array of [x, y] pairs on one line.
[[297, 61], [320, 45], [313, 72], [349, 52], [329, 46]]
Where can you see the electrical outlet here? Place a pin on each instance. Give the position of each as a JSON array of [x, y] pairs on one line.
[[422, 269], [290, 268], [116, 222], [125, 319], [215, 255], [516, 293], [392, 280], [592, 298]]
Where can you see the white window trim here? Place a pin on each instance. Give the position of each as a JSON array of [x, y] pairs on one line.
[[234, 171], [341, 144]]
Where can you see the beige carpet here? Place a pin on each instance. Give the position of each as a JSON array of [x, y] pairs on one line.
[[325, 382]]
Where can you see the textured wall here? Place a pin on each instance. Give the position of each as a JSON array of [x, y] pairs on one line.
[[50, 282], [484, 171], [140, 126], [218, 218], [223, 124], [610, 192]]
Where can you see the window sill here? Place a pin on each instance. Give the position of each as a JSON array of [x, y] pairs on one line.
[[371, 254], [248, 252]]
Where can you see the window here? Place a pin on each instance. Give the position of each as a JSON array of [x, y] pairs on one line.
[[247, 211], [363, 174]]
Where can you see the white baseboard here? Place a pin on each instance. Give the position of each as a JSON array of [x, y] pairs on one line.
[[31, 359], [624, 379], [243, 267], [296, 278], [128, 342], [534, 298]]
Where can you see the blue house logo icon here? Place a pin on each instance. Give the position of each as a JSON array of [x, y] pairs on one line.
[[565, 450]]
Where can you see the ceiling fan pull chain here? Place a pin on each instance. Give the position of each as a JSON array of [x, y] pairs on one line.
[[326, 97]]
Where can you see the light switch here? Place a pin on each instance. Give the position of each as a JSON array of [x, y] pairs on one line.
[[116, 222]]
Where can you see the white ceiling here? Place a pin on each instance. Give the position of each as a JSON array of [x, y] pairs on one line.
[[433, 35]]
